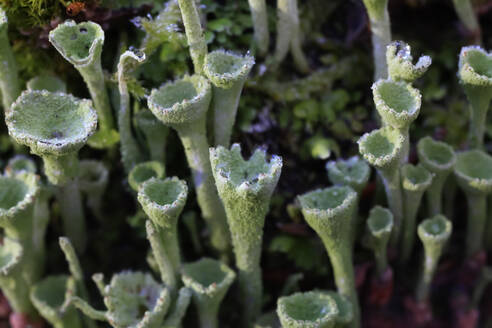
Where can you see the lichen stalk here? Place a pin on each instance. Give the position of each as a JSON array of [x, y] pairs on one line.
[[329, 212], [183, 105], [259, 16], [155, 134], [415, 181], [209, 280], [245, 188], [227, 73], [476, 78], [163, 202], [93, 180], [194, 33], [473, 175], [9, 80], [131, 153], [434, 234], [377, 11], [439, 159], [378, 231], [383, 149], [81, 45]]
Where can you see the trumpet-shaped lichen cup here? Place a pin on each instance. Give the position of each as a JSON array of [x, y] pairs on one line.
[[9, 79], [474, 176], [51, 295], [307, 310], [329, 212], [163, 201], [353, 172], [475, 73], [209, 280], [398, 104], [438, 158], [383, 149], [415, 181], [378, 231], [55, 126], [183, 105], [132, 299], [400, 63], [434, 234], [18, 196], [245, 187], [145, 171], [81, 45], [227, 72], [12, 281], [47, 82]]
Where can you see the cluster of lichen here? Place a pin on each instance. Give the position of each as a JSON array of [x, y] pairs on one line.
[[233, 193]]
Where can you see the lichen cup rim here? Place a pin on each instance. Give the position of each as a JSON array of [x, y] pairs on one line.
[[30, 187], [431, 162], [49, 145], [466, 175], [445, 229], [190, 279], [226, 78], [322, 318], [51, 310], [415, 177], [334, 169], [181, 109], [11, 252], [172, 208], [230, 168], [468, 70], [379, 213], [157, 301], [350, 197], [400, 51], [11, 168], [97, 42], [397, 117], [381, 160], [154, 166]]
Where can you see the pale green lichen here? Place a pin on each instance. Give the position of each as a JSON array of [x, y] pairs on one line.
[[259, 16], [194, 33], [14, 285], [475, 73], [329, 212], [438, 158], [9, 81], [133, 300], [378, 231], [51, 295], [383, 149], [47, 82], [93, 180], [434, 234], [227, 72], [183, 105], [377, 11], [473, 174], [307, 310], [415, 181], [145, 171], [353, 172], [81, 45], [163, 201], [400, 63], [245, 188], [129, 148], [209, 280], [155, 134]]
